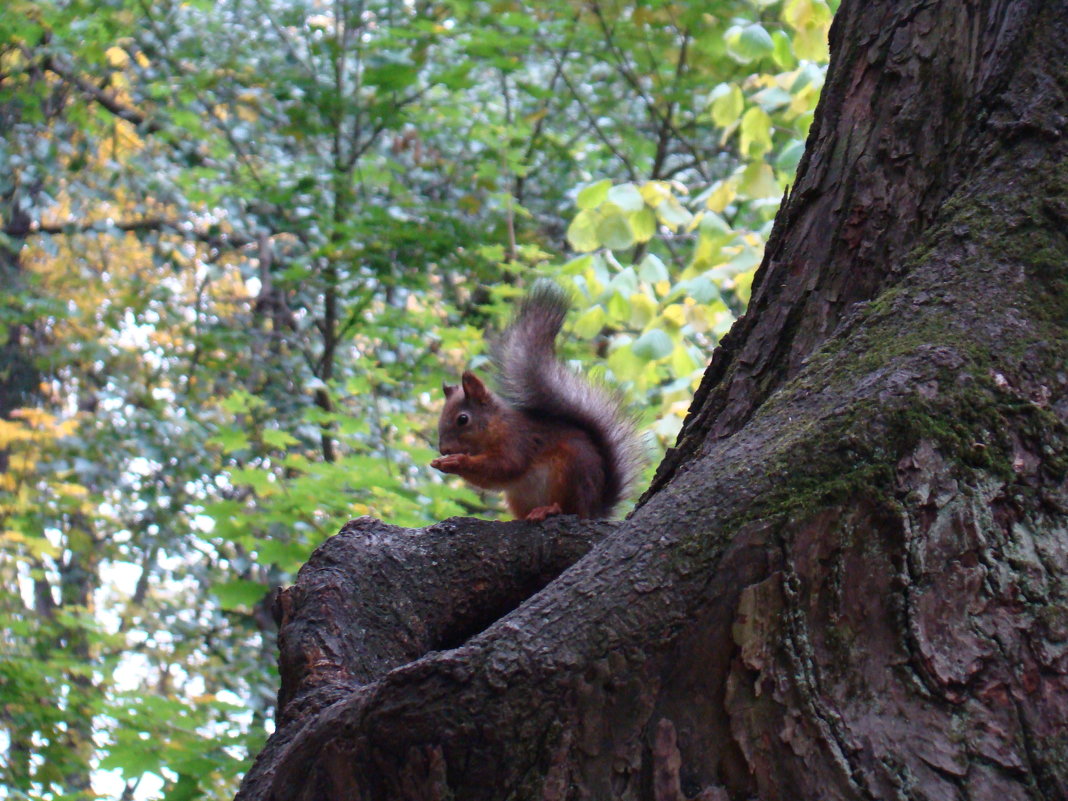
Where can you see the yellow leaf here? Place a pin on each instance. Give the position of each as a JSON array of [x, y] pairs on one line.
[[758, 181], [785, 80], [590, 322], [706, 252], [798, 13], [756, 132], [697, 317], [655, 192], [675, 315], [35, 417], [682, 362], [117, 57], [743, 284], [728, 105], [69, 490], [811, 43], [722, 195], [643, 224], [13, 432], [642, 309], [21, 462], [67, 427], [582, 233]]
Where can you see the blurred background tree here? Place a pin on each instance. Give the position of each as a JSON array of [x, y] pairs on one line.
[[243, 243]]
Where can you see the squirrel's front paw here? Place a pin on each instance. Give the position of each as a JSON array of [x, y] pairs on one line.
[[450, 463]]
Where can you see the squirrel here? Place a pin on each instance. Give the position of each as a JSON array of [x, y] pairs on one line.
[[554, 442]]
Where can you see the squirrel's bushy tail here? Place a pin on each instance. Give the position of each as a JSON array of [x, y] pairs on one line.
[[532, 378]]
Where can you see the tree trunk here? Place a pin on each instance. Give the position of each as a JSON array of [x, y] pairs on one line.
[[850, 578]]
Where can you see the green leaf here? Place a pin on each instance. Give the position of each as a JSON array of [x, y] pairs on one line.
[[391, 77], [493, 252], [789, 156], [627, 197], [682, 362], [186, 788], [784, 51], [624, 283], [230, 440], [701, 289], [623, 362], [578, 265], [652, 270], [749, 43], [220, 510], [239, 593], [618, 307], [240, 401], [772, 99], [186, 119], [715, 227], [614, 232], [592, 195], [758, 181], [133, 759], [279, 439], [642, 310], [745, 260], [259, 480], [672, 213], [755, 132], [653, 345], [458, 77], [643, 224], [808, 75], [286, 555], [582, 233], [727, 105], [590, 322]]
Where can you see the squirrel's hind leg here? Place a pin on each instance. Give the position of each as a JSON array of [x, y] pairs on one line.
[[542, 512]]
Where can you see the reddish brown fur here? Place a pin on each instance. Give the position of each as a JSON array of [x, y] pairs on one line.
[[544, 466]]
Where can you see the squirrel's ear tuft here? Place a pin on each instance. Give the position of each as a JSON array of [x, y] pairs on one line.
[[448, 389], [474, 389]]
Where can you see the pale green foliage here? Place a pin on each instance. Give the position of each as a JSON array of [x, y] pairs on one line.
[[667, 270], [262, 233]]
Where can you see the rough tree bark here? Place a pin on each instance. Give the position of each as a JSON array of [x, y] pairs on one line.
[[850, 578]]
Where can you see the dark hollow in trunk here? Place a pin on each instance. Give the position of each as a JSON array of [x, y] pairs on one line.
[[849, 578]]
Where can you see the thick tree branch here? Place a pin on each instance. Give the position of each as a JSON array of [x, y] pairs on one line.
[[435, 587]]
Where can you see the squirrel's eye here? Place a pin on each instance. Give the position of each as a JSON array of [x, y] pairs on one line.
[[462, 419]]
